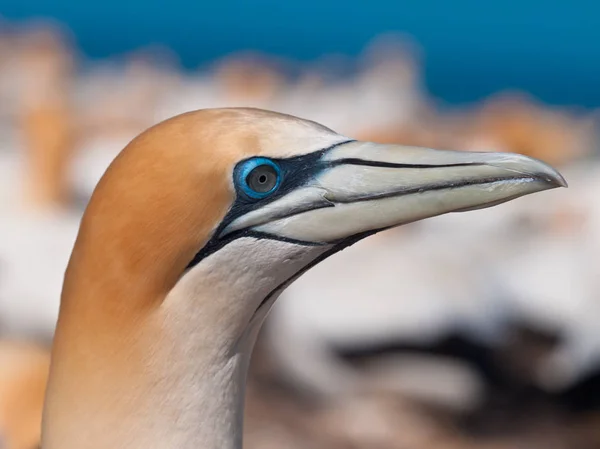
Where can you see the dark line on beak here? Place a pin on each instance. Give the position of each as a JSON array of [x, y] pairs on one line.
[[429, 188], [368, 163]]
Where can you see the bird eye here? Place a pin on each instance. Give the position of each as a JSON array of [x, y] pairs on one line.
[[259, 177]]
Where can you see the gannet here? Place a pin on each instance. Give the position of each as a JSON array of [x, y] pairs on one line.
[[190, 236]]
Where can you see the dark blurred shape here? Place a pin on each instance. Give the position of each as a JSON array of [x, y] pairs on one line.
[[516, 413]]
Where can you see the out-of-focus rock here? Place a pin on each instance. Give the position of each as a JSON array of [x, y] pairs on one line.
[[249, 80], [45, 115], [121, 100], [510, 122], [23, 374]]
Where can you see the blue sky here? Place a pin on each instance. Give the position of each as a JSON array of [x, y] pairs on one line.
[[472, 48]]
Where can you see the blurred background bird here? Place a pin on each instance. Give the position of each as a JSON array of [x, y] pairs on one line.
[[466, 331]]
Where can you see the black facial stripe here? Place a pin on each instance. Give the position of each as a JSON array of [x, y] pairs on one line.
[[216, 244], [431, 187], [369, 163], [296, 171]]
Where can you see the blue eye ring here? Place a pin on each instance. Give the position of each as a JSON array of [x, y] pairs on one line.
[[250, 168]]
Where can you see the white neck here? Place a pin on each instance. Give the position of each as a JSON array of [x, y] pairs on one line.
[[203, 407], [210, 402]]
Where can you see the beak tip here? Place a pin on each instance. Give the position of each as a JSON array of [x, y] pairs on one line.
[[537, 168], [556, 179], [563, 182]]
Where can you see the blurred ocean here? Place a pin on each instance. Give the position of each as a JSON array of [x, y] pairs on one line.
[[473, 48]]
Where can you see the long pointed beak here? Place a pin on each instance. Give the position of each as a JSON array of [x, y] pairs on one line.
[[366, 187]]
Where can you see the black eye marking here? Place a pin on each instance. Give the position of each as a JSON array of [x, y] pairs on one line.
[[294, 172]]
